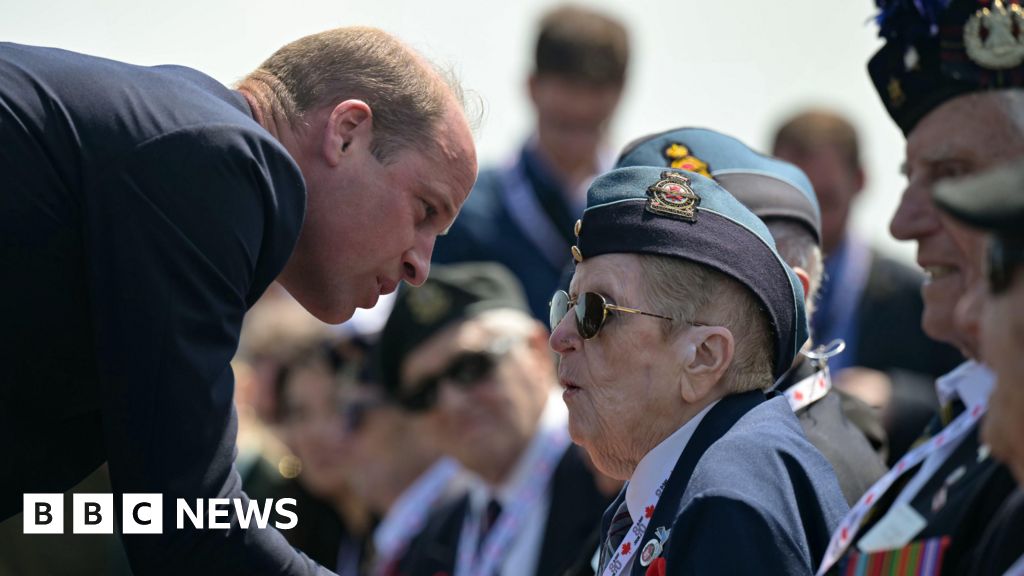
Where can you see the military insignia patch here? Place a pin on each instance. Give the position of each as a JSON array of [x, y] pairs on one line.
[[672, 196], [678, 156], [428, 303], [896, 95], [994, 36]]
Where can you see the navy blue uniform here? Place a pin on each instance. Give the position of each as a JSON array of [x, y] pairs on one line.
[[142, 211]]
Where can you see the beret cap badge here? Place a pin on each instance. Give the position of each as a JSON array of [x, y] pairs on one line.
[[672, 196], [679, 156], [994, 36], [428, 303]]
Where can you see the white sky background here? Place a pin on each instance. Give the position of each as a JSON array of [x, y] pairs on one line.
[[737, 66]]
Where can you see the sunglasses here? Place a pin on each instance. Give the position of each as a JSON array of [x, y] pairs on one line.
[[591, 312], [466, 371], [1004, 256]]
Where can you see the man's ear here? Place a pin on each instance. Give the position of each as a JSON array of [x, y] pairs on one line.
[[805, 281], [707, 352], [350, 122]]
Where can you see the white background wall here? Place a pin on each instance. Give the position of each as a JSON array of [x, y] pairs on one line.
[[738, 66]]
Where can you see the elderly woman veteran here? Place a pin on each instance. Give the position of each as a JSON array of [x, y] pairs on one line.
[[682, 315]]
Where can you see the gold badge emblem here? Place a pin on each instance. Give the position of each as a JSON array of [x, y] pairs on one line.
[[679, 156], [428, 303], [672, 196], [896, 95], [994, 37]]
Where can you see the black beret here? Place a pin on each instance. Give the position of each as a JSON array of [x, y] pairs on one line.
[[451, 293], [937, 50]]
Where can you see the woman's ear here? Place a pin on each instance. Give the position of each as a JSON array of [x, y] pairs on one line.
[[706, 353]]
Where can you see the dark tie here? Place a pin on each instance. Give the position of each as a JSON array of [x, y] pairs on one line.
[[491, 514], [617, 530]]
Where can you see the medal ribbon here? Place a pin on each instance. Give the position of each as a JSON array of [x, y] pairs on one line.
[[809, 390], [474, 562], [843, 537]]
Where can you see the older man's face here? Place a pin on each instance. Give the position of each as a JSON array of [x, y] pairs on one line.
[[621, 387], [962, 136], [483, 424], [1002, 340]]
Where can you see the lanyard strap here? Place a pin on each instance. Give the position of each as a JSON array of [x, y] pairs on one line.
[[809, 390], [484, 561], [411, 512], [843, 537]]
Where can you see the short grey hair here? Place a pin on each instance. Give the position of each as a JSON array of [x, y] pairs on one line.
[[690, 292], [799, 248]]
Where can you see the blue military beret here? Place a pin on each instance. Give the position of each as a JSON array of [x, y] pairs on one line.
[[767, 186], [936, 50], [652, 210]]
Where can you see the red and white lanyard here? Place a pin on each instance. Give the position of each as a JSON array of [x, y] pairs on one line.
[[410, 513], [843, 537], [622, 559], [484, 562], [809, 390]]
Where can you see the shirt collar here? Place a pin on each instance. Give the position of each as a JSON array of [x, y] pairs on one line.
[[423, 492], [971, 382], [657, 464]]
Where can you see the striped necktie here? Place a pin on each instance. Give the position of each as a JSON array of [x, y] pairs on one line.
[[620, 525]]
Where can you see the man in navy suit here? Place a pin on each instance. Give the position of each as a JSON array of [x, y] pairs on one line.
[[679, 316], [145, 209]]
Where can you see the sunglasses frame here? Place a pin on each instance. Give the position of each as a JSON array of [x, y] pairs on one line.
[[428, 387], [605, 307]]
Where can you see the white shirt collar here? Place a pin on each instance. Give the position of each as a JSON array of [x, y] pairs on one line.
[[554, 417], [422, 493], [657, 464], [971, 382]]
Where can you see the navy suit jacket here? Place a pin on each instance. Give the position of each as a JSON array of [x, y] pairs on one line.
[[748, 495], [142, 212]]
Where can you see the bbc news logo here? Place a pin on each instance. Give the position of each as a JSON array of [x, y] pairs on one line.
[[144, 513]]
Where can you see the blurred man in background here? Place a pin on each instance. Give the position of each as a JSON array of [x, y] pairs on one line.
[[464, 352], [522, 213], [870, 301]]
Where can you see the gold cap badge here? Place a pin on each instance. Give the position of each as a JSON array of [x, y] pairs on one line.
[[672, 196], [994, 36], [428, 303], [678, 156]]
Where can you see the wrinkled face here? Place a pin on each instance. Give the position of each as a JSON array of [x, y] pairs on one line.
[[572, 118], [370, 225], [967, 313], [962, 136], [484, 425], [312, 426], [836, 184], [1002, 341], [621, 387]]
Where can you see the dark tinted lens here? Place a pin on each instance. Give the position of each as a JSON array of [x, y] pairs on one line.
[[469, 369], [589, 314], [558, 308], [424, 398], [998, 267]]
